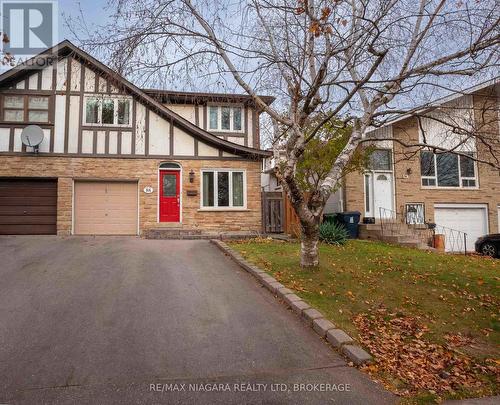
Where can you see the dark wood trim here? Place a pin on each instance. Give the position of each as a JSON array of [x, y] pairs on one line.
[[68, 98], [106, 143], [29, 92], [245, 124], [119, 143], [94, 143], [205, 116], [11, 140], [27, 83], [116, 156], [171, 138], [96, 82], [255, 130], [105, 127], [39, 81], [134, 125], [197, 123], [82, 107], [52, 134], [226, 134], [54, 78], [146, 134]]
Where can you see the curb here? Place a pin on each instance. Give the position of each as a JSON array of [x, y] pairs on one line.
[[337, 338]]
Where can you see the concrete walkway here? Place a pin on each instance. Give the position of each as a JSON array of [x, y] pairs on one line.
[[124, 320]]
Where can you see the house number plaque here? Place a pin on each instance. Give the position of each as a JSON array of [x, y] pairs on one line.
[[148, 189]]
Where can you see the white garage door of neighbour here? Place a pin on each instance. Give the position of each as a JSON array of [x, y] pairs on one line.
[[472, 221]]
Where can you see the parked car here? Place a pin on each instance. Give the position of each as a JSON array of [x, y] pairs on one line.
[[489, 245]]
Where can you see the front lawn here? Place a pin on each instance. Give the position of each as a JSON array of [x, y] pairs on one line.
[[430, 320]]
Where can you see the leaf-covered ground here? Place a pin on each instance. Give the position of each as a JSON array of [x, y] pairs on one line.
[[431, 321]]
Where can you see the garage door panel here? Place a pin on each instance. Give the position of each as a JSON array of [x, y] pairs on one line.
[[106, 208], [472, 221], [28, 207]]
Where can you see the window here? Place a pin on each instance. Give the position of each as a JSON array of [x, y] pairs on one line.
[[107, 111], [24, 108], [380, 159], [223, 189], [225, 118], [447, 170]]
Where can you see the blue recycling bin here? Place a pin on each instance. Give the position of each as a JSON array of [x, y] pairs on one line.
[[350, 220]]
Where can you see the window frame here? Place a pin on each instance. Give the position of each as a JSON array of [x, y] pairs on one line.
[[26, 109], [230, 207], [219, 118], [391, 163], [460, 177], [116, 99]]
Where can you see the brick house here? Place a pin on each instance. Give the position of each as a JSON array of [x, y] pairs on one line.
[[116, 159], [447, 189]]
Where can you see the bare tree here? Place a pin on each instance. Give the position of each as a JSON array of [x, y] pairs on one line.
[[363, 61]]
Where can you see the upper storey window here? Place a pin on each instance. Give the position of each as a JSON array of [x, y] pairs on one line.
[[108, 111], [23, 108], [225, 118]]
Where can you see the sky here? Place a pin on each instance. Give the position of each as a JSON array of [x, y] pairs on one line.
[[93, 10]]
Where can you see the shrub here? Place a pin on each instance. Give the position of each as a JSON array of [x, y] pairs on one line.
[[333, 233]]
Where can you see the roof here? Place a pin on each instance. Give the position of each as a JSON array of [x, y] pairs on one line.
[[443, 100], [66, 48], [190, 97]]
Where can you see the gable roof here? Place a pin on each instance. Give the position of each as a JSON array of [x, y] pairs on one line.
[[66, 48]]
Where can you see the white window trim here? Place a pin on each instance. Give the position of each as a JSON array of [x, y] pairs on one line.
[[460, 178], [219, 118], [230, 207], [115, 99]]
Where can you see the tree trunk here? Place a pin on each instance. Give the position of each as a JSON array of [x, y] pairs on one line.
[[309, 256]]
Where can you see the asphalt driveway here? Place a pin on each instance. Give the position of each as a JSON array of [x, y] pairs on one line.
[[125, 320]]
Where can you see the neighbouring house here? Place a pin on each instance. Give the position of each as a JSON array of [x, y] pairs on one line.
[[455, 192], [119, 160]]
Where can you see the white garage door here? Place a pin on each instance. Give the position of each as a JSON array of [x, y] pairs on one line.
[[473, 220], [105, 208]]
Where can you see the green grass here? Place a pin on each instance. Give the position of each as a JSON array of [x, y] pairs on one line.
[[449, 294]]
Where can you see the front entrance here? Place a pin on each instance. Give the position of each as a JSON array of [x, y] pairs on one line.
[[378, 194], [170, 197]]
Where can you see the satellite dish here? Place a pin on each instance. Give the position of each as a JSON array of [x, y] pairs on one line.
[[32, 136]]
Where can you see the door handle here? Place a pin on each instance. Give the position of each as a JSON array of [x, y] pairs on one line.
[[178, 201]]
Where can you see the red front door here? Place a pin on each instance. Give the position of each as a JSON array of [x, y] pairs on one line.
[[170, 199]]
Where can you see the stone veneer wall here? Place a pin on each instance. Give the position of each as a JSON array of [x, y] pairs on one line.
[[68, 169]]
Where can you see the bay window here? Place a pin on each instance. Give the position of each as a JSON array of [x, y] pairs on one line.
[[223, 189], [107, 111], [225, 118], [24, 108], [447, 170]]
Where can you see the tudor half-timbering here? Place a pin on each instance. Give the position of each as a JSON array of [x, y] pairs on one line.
[[116, 159]]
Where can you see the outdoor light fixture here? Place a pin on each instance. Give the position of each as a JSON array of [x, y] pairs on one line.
[[191, 176], [408, 171]]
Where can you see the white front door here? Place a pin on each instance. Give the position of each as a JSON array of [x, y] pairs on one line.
[[378, 194]]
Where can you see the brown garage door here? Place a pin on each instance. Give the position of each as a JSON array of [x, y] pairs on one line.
[[105, 208], [28, 207]]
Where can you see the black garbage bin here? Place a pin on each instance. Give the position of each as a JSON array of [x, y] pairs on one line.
[[350, 220]]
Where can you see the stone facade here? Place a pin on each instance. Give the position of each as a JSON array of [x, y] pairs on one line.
[[145, 171], [407, 179]]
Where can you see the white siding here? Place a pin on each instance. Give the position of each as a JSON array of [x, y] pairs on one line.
[[126, 143], [76, 75], [87, 141], [18, 145], [227, 154], [74, 117], [185, 111], [140, 129], [236, 139], [47, 78], [60, 114], [183, 143], [102, 85], [249, 117], [89, 80], [205, 150], [4, 139], [20, 85], [159, 131], [62, 72], [101, 142], [33, 82], [113, 142], [45, 145], [382, 133]]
